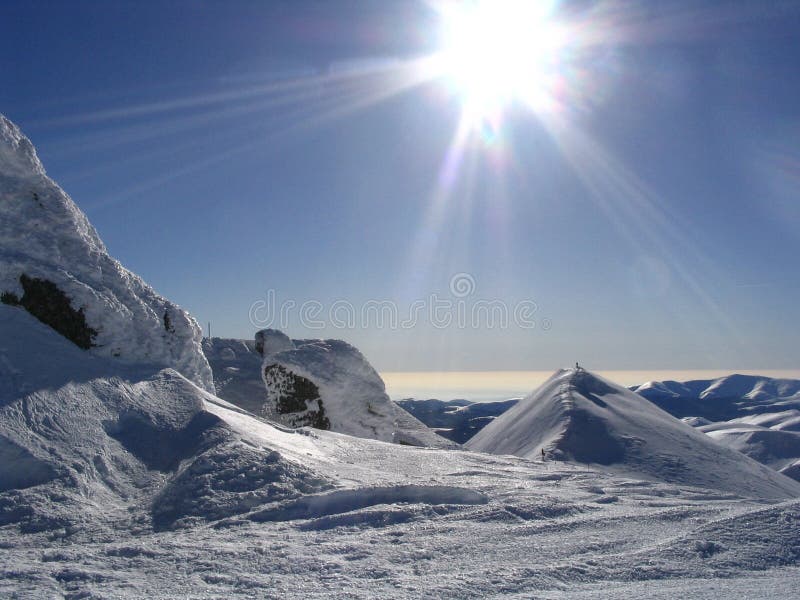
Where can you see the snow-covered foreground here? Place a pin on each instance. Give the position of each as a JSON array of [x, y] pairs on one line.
[[243, 508], [120, 482], [413, 523]]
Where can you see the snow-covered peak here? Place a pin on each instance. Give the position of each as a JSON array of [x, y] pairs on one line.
[[54, 265], [579, 416], [17, 154]]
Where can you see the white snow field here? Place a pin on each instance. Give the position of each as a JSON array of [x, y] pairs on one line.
[[340, 392], [125, 477]]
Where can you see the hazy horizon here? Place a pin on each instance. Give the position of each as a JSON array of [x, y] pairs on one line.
[[484, 386]]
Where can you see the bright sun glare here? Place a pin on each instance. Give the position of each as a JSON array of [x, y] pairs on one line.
[[496, 52]]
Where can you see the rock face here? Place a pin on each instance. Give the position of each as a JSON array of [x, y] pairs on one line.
[[578, 416], [54, 266], [328, 384], [295, 399]]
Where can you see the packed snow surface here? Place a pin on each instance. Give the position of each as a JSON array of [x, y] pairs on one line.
[[581, 417], [48, 249]]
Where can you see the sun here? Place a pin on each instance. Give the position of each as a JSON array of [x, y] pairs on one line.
[[497, 52]]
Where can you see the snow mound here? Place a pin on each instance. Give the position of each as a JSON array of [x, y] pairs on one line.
[[54, 265], [328, 384], [344, 501], [578, 416]]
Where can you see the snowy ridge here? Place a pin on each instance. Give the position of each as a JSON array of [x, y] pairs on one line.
[[738, 392], [52, 261], [578, 416]]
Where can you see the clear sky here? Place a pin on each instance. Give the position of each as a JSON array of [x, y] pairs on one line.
[[629, 198]]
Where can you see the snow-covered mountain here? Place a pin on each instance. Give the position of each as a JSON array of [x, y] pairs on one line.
[[54, 266], [578, 416], [325, 384], [127, 482], [723, 398], [758, 416]]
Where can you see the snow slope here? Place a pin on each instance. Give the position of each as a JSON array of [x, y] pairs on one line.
[[578, 416], [53, 263], [758, 416]]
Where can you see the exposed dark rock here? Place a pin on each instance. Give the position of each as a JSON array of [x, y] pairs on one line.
[[168, 326], [295, 398], [45, 301]]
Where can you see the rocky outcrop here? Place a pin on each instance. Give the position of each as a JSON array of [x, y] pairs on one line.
[[54, 265]]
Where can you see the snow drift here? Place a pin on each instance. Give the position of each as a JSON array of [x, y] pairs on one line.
[[54, 266], [578, 416]]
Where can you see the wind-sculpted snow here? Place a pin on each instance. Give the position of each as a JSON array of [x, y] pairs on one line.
[[326, 384], [54, 265], [129, 481], [577, 416], [229, 479], [344, 501], [330, 385], [80, 431]]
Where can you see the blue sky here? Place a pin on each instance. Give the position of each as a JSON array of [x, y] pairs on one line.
[[227, 151]]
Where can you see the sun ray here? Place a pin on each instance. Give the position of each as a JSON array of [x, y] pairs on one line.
[[639, 215]]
